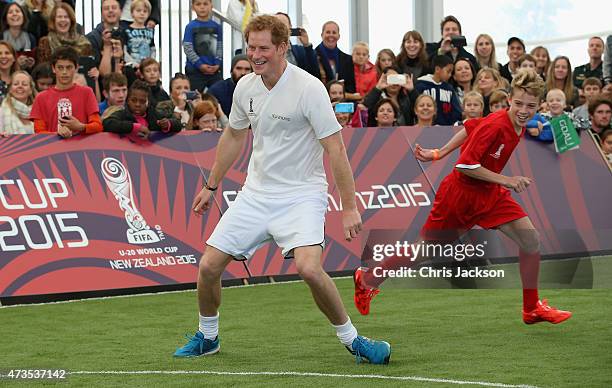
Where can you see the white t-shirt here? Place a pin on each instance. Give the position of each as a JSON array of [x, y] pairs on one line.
[[287, 123]]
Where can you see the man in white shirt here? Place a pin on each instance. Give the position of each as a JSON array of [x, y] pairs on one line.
[[284, 197]]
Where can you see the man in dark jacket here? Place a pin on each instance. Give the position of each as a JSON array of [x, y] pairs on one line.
[[450, 27], [111, 12], [224, 90], [303, 56], [516, 49]]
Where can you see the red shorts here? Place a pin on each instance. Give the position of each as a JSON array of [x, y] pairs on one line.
[[459, 206]]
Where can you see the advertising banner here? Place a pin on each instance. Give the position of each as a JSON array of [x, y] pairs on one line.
[[100, 212]]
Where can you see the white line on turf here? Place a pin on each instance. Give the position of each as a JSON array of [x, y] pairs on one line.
[[301, 374]]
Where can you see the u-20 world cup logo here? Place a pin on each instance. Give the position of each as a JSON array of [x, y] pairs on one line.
[[119, 182]]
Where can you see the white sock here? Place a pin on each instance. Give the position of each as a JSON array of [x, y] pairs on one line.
[[346, 333], [209, 326]]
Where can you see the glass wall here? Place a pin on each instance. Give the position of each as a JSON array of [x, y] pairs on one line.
[[536, 22], [317, 12], [389, 20]]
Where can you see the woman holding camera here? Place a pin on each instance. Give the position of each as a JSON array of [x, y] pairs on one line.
[[397, 87], [182, 97], [62, 32]]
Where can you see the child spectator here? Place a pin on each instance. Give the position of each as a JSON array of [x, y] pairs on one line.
[[335, 89], [204, 117], [138, 38], [498, 100], [344, 118], [542, 57], [17, 106], [203, 46], [473, 106], [151, 73], [606, 144], [66, 108], [138, 117], [114, 89], [384, 59], [591, 88], [556, 102], [365, 72], [484, 51], [527, 61], [221, 116], [425, 111], [437, 86], [412, 58], [43, 76]]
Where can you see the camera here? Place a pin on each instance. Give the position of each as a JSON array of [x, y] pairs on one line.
[[296, 31], [396, 79], [344, 107], [191, 95], [116, 33], [458, 41]]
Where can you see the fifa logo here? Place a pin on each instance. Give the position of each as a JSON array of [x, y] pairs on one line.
[[497, 154], [119, 182]]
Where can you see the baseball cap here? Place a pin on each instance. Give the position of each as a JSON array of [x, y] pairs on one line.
[[515, 39]]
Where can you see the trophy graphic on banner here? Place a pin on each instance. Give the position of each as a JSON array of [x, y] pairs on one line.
[[119, 182]]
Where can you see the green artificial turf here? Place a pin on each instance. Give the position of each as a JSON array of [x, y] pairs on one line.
[[470, 335]]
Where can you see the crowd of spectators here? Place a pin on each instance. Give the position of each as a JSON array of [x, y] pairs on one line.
[[55, 77]]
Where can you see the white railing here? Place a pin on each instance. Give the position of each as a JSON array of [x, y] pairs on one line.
[[175, 15]]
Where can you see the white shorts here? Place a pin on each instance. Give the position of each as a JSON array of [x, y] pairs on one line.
[[253, 220]]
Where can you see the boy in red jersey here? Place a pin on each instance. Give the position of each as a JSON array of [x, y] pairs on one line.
[[66, 108], [476, 193]]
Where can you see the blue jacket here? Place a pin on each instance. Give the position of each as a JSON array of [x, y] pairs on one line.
[[306, 59], [546, 134], [224, 91], [448, 107]]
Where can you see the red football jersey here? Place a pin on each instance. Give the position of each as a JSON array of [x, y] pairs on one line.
[[491, 141]]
